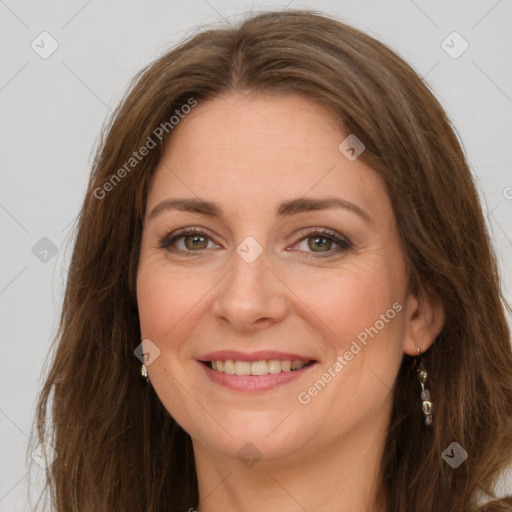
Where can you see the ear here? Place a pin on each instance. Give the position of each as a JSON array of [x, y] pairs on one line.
[[424, 319]]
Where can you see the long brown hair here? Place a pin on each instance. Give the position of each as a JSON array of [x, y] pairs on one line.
[[118, 448]]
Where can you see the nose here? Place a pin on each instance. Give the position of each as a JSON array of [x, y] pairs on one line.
[[251, 296]]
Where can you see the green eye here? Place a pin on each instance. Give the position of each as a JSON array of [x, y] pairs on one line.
[[194, 242], [319, 242]]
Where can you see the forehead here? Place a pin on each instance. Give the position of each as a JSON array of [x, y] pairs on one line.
[[244, 151]]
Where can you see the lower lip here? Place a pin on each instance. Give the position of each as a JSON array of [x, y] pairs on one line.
[[255, 382]]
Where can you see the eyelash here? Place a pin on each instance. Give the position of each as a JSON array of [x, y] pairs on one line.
[[344, 244]]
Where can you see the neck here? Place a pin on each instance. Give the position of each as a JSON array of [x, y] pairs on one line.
[[339, 477]]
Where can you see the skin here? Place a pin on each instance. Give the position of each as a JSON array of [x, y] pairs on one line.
[[249, 153]]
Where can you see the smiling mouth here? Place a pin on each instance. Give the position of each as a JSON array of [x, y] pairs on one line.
[[272, 366]]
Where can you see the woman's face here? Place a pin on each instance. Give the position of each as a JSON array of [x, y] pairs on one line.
[[287, 253]]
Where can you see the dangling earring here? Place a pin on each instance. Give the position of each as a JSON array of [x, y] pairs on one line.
[[144, 372], [426, 404]]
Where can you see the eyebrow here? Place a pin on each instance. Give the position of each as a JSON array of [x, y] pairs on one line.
[[286, 208]]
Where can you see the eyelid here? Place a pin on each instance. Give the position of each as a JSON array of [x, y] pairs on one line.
[[340, 240], [313, 230], [344, 243], [166, 241]]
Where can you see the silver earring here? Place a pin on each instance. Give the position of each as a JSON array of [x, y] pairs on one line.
[[144, 372], [426, 404]]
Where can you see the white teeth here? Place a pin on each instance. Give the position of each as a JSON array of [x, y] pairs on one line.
[[274, 366], [242, 368], [256, 367], [229, 367], [259, 368]]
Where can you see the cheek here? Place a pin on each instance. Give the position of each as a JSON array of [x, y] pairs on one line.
[[350, 299], [170, 306], [358, 309], [361, 310], [169, 300]]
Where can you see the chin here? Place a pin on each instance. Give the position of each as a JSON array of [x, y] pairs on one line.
[[267, 435]]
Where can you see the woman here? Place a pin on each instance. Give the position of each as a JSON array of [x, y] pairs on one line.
[[282, 227]]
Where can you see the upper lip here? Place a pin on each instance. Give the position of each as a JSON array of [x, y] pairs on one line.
[[261, 355]]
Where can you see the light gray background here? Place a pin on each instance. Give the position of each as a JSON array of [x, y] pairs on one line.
[[53, 109]]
